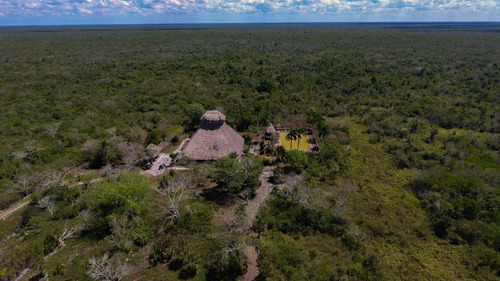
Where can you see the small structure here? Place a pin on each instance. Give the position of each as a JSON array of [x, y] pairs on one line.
[[270, 131], [213, 139]]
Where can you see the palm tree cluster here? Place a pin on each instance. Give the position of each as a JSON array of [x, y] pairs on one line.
[[295, 134]]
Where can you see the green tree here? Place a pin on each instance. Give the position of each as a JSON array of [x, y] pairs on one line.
[[314, 118], [280, 152], [291, 136], [113, 199], [299, 133], [266, 85], [324, 131], [297, 159], [246, 119], [153, 137], [248, 139], [194, 112], [234, 174]]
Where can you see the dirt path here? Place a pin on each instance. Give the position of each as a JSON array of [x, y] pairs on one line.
[[252, 209], [179, 149], [165, 160], [252, 266], [228, 215], [21, 275], [251, 212], [6, 213]]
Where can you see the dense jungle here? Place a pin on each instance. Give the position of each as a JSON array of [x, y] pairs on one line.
[[405, 185]]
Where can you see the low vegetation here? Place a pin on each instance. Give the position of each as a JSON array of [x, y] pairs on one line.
[[406, 184]]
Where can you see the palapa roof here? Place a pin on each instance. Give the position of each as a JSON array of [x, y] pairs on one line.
[[213, 139], [270, 129], [213, 116]]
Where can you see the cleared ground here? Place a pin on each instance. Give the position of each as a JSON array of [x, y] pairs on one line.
[[302, 142]]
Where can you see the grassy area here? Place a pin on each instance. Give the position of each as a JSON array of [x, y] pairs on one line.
[[395, 239], [292, 144], [400, 230]]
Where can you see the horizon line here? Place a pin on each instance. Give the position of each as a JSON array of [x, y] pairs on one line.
[[251, 23]]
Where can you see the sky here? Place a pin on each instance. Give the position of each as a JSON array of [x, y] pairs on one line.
[[75, 12]]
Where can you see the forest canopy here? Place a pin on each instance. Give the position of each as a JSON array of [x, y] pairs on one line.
[[406, 183]]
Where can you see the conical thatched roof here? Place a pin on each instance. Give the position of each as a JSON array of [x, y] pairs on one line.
[[213, 139], [213, 116], [270, 129]]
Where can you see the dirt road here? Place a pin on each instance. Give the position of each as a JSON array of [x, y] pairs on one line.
[[6, 213]]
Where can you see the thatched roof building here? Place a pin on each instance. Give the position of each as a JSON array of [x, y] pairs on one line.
[[213, 139], [270, 130]]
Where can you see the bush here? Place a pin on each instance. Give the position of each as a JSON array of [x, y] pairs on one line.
[[112, 199], [266, 162], [297, 159], [227, 266], [187, 272], [105, 154], [235, 175], [161, 253], [270, 150], [28, 213], [278, 176], [176, 264], [50, 243], [65, 211], [247, 138], [288, 215], [198, 218]]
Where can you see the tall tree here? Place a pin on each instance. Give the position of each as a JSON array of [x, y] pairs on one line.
[[300, 133], [324, 131], [258, 112], [292, 135]]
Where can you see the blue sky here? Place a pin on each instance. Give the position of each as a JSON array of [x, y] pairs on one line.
[[42, 12]]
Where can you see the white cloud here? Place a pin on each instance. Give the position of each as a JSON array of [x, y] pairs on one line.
[[372, 8]]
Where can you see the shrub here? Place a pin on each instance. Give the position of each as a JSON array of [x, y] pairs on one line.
[[176, 264], [50, 243], [247, 138], [288, 214], [187, 272], [266, 162], [227, 266], [112, 199], [161, 253], [270, 150], [234, 175], [297, 159], [65, 211], [278, 176], [198, 218]]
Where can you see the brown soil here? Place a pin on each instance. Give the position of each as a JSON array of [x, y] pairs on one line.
[[227, 215], [253, 268]]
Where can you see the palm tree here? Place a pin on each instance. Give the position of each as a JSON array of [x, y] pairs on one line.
[[324, 131], [300, 132], [292, 135]]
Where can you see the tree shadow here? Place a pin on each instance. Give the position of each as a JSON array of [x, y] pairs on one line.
[[218, 195]]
